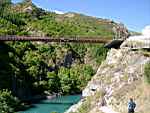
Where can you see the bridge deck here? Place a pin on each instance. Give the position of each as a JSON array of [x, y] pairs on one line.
[[109, 43], [52, 39]]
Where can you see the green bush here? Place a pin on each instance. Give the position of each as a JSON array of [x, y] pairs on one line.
[[147, 73], [8, 103], [99, 53], [71, 80]]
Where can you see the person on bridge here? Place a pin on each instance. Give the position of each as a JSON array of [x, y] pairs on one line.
[[131, 106]]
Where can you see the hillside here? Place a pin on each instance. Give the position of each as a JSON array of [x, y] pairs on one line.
[[27, 19]]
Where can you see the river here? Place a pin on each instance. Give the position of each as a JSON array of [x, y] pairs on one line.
[[58, 105]]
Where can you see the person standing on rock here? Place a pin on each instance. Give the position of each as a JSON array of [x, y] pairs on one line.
[[131, 106]]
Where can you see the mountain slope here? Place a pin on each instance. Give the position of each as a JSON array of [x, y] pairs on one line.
[[32, 20]]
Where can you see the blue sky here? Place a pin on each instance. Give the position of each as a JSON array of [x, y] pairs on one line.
[[135, 14]]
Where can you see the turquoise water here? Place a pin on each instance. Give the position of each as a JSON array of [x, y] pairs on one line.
[[59, 105]]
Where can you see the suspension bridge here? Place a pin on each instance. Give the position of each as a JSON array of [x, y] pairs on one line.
[[107, 41]]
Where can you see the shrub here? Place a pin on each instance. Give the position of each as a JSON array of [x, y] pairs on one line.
[[147, 73], [8, 103], [99, 53]]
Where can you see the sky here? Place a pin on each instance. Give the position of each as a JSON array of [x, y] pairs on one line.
[[135, 14]]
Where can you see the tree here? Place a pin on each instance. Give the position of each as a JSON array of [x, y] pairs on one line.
[[5, 66], [64, 75], [53, 82], [98, 53]]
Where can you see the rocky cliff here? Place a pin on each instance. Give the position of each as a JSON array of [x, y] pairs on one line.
[[118, 78]]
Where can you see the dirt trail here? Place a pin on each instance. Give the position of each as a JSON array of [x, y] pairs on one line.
[[106, 109]]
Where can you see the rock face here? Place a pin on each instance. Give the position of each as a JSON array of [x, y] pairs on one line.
[[69, 15], [28, 9], [121, 67], [120, 31], [118, 74], [75, 107]]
